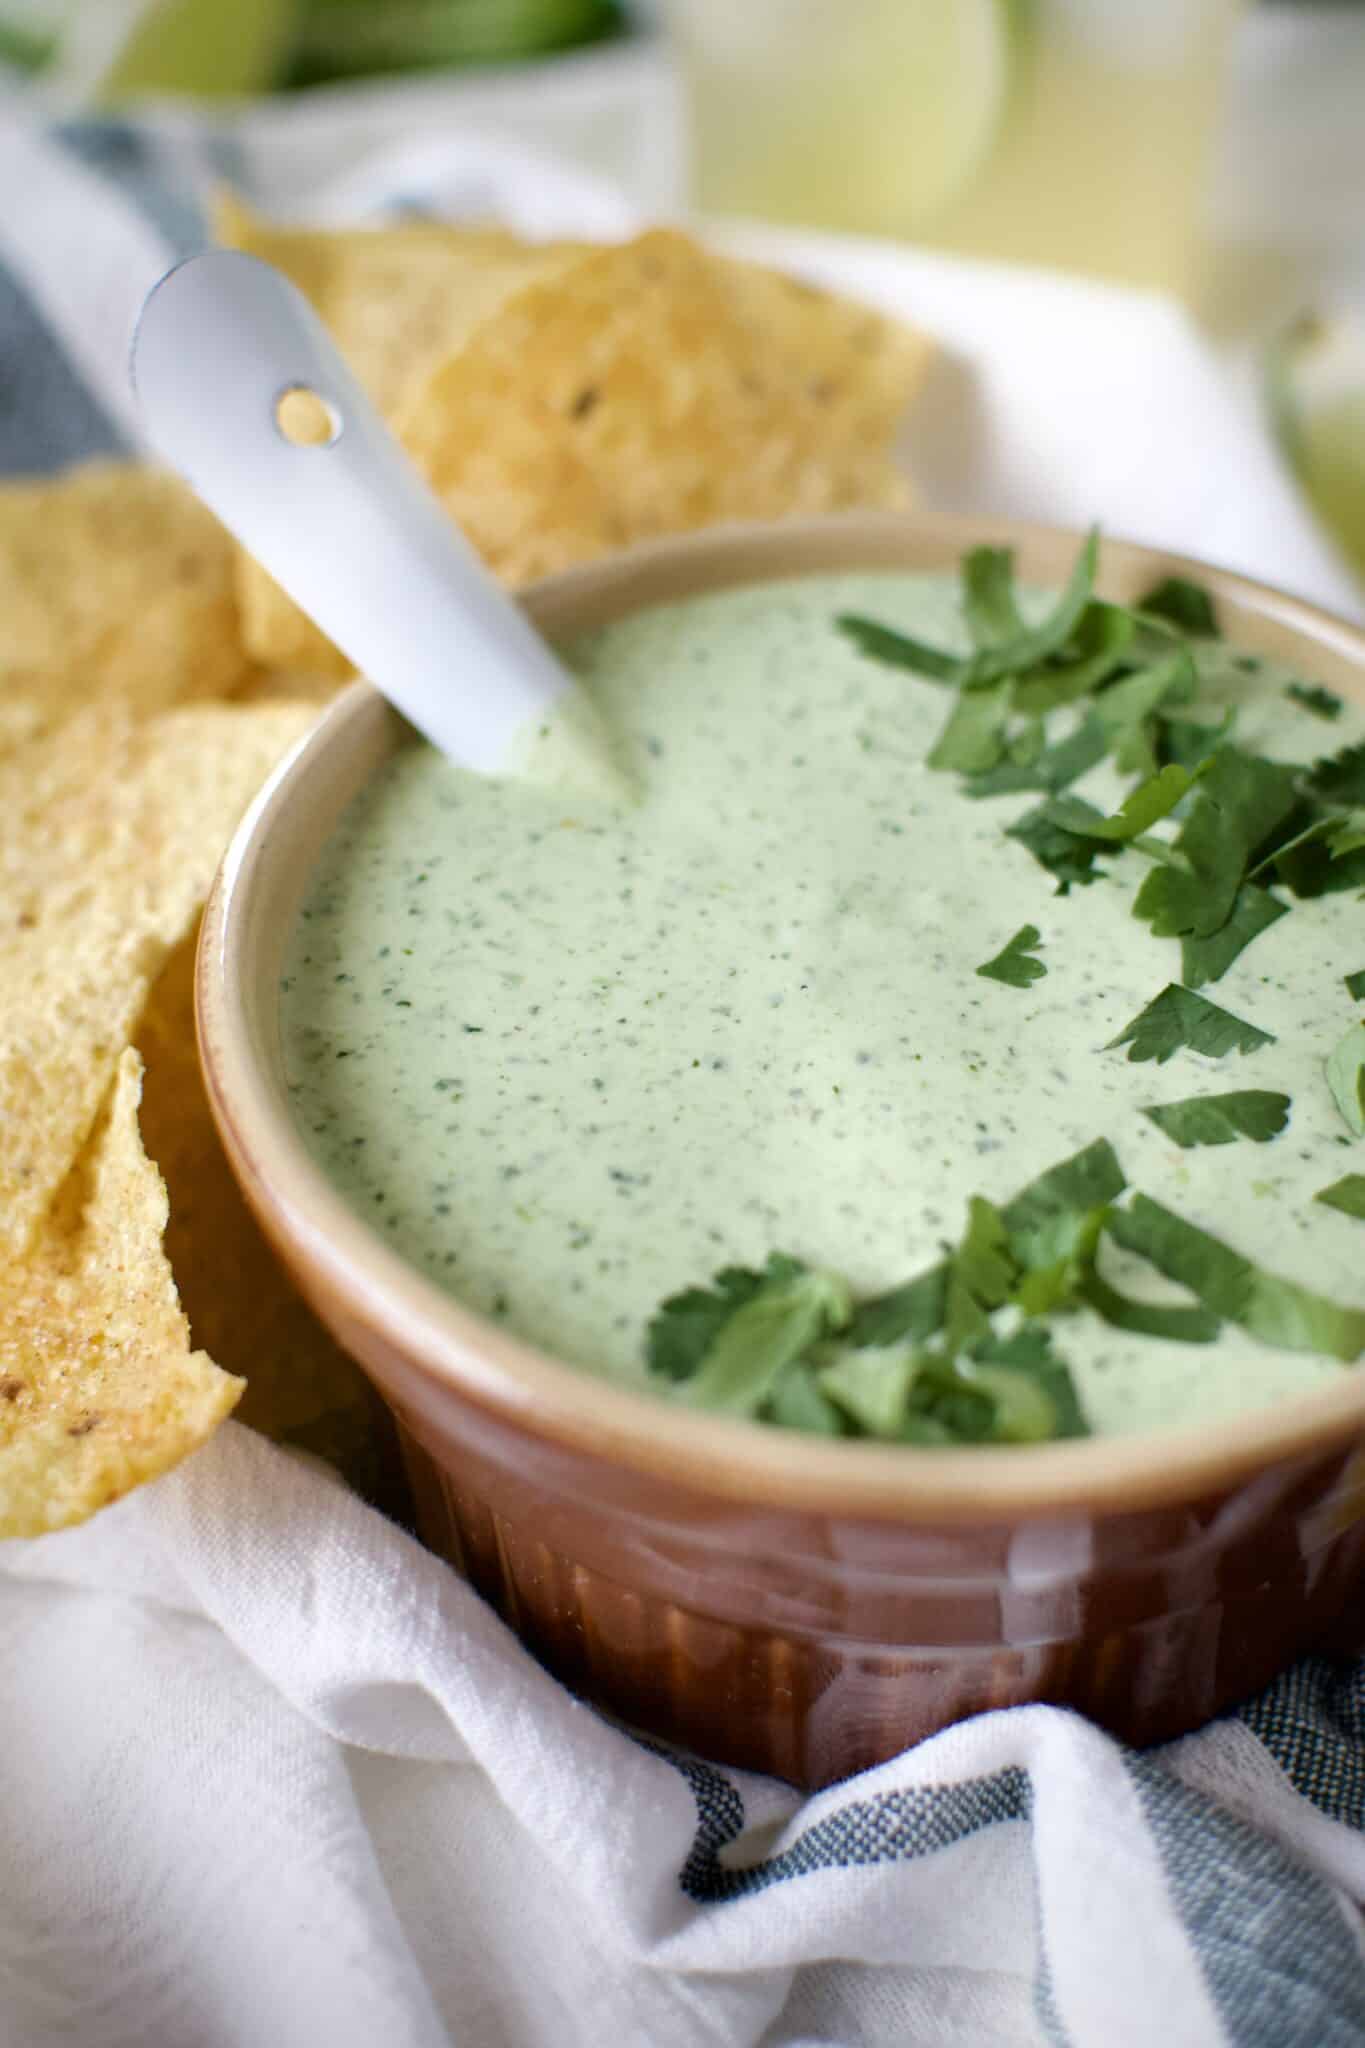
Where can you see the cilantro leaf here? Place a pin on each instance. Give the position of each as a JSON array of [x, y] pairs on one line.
[[1185, 604], [899, 650], [1015, 963], [1346, 1077], [981, 1275], [1012, 1390], [1355, 985], [1176, 1324], [1127, 709], [796, 1402], [1076, 1186], [1030, 1351], [988, 603], [1142, 808], [793, 1307], [1178, 1017], [1346, 1194], [1034, 644], [871, 1387], [1052, 768], [973, 738], [915, 1310], [1086, 1180], [685, 1326], [1103, 638], [1273, 1310], [1242, 799], [1059, 849], [1188, 741], [1256, 1113], [1340, 779], [1254, 910], [1347, 835], [1322, 703]]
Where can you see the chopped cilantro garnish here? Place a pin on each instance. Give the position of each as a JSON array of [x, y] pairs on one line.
[[915, 1311], [1179, 1018], [1322, 703], [973, 739], [1182, 603], [988, 596], [1340, 779], [1103, 639], [1254, 910], [1346, 1194], [755, 1339], [1255, 1113], [898, 650], [1355, 985], [1171, 1321], [922, 1363], [1142, 808], [1059, 849], [1274, 1310], [1015, 964], [1034, 644], [1241, 801], [1346, 1077]]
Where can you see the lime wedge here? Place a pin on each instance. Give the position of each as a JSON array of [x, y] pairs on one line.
[[1316, 381], [214, 48], [877, 125]]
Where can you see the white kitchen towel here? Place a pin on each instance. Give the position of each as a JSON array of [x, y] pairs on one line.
[[271, 1776]]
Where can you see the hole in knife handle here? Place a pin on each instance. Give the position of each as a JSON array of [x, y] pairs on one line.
[[305, 419]]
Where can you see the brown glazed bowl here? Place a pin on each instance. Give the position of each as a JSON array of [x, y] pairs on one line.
[[788, 1603]]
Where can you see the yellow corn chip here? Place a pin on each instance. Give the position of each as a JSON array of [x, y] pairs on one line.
[[398, 301], [99, 1389], [110, 833], [116, 586], [638, 390], [650, 390]]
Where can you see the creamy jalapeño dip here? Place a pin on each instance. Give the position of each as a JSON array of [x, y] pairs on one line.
[[572, 1058]]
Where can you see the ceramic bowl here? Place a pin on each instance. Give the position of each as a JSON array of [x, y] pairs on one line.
[[792, 1604]]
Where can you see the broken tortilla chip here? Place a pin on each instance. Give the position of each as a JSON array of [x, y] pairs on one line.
[[99, 1389], [397, 301], [638, 390], [112, 833], [116, 587]]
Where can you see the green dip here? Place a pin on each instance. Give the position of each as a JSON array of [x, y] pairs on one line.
[[570, 1058]]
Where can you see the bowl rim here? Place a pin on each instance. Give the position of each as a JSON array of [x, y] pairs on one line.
[[731, 1458]]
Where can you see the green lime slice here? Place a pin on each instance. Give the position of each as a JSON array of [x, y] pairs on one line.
[[876, 125], [215, 48], [1316, 383]]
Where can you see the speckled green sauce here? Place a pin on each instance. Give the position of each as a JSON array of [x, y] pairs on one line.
[[570, 1058]]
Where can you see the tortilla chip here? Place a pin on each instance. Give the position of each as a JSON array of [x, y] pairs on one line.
[[398, 301], [301, 1388], [99, 1389], [116, 586], [653, 389], [110, 833], [639, 390]]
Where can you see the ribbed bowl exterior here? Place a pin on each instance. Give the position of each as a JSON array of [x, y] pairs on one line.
[[812, 1648]]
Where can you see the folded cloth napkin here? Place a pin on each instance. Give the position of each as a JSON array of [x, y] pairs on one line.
[[273, 1775]]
